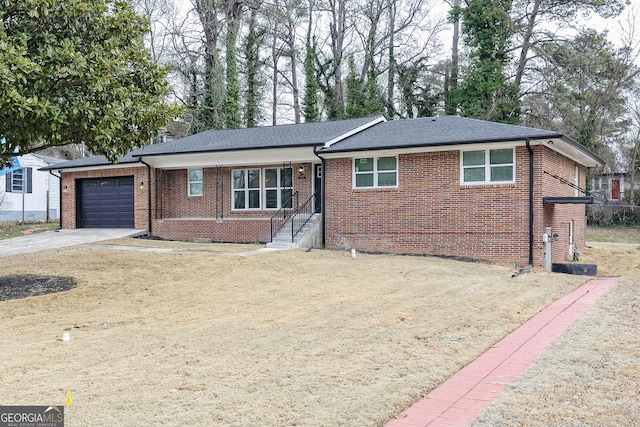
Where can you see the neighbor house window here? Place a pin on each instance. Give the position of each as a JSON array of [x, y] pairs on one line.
[[195, 182], [246, 189], [371, 172], [487, 166], [278, 187], [19, 181]]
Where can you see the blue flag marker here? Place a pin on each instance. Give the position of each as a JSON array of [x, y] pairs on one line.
[[15, 165]]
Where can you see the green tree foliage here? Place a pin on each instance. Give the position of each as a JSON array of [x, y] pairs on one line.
[[310, 100], [232, 94], [77, 71], [585, 82], [485, 92], [254, 79], [363, 98], [418, 98]]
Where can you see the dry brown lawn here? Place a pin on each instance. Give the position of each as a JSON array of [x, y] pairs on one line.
[[591, 375], [203, 336]]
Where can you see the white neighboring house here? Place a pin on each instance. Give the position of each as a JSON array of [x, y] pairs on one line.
[[29, 194]]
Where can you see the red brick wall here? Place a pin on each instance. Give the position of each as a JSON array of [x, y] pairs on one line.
[[68, 184], [431, 213], [178, 216], [559, 216]]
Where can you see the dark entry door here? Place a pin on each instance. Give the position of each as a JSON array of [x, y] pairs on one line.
[[317, 187], [106, 203]]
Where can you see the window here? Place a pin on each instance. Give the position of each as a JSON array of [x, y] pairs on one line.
[[371, 172], [19, 181], [278, 187], [195, 182], [246, 189], [487, 166]]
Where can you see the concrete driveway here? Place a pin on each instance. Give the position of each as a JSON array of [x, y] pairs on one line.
[[61, 238]]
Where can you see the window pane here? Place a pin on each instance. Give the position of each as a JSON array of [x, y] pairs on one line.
[[502, 173], [473, 158], [195, 189], [271, 178], [387, 164], [238, 179], [238, 199], [364, 180], [387, 179], [253, 178], [285, 177], [195, 175], [271, 199], [286, 198], [254, 199], [364, 165], [473, 174], [500, 157]]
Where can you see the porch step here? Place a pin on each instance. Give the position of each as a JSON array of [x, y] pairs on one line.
[[307, 237]]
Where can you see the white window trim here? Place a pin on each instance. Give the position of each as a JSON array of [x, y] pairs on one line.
[[487, 166], [189, 182], [279, 189], [246, 190], [375, 173]]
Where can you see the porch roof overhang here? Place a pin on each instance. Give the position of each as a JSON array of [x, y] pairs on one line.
[[256, 157], [588, 200]]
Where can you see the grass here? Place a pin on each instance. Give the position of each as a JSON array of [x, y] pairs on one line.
[[615, 234], [274, 339], [17, 229]]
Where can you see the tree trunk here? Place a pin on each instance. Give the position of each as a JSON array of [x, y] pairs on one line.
[[451, 106], [526, 42], [391, 73]]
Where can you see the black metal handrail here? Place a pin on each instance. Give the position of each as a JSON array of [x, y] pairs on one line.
[[280, 218], [302, 215]]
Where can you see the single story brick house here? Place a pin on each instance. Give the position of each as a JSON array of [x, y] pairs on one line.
[[446, 186]]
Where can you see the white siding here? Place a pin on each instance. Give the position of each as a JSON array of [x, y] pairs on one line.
[[32, 206]]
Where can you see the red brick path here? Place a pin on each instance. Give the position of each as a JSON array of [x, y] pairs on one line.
[[461, 398]]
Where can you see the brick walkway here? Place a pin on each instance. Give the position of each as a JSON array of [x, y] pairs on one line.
[[461, 398]]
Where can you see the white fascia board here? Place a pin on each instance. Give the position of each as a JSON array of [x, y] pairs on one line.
[[412, 150], [560, 146], [354, 131], [233, 158], [98, 167], [555, 144]]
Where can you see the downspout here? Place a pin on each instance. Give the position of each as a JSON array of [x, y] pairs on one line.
[[148, 195], [59, 196], [528, 144], [322, 199], [530, 266]]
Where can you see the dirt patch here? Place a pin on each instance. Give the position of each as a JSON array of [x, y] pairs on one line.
[[27, 285]]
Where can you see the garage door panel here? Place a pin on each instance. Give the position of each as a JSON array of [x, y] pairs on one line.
[[106, 203]]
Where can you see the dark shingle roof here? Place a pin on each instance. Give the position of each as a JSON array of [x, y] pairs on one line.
[[435, 131], [282, 136], [91, 161]]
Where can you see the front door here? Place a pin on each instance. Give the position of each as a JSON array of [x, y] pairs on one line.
[[615, 189], [317, 187]]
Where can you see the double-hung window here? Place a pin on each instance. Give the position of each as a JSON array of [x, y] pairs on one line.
[[19, 181], [278, 187], [246, 189], [195, 182], [488, 166], [373, 172]]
